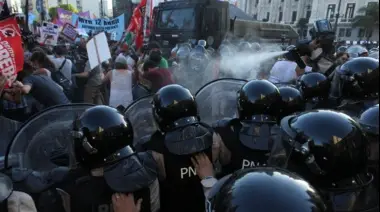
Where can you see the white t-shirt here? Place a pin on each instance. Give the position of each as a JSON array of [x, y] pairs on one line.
[[283, 72]]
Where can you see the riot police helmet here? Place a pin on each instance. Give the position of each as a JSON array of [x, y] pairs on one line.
[[199, 49], [292, 101], [323, 146], [101, 135], [183, 53], [359, 78], [264, 189], [174, 106], [369, 121], [244, 46], [341, 49], [357, 51], [202, 43], [255, 47], [313, 85], [258, 97]]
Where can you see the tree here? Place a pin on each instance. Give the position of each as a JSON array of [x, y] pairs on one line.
[[53, 10], [368, 18], [302, 26]]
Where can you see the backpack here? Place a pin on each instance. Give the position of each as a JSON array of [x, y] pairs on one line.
[[61, 80]]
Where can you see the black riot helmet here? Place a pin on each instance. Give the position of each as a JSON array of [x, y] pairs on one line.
[[292, 101], [173, 106], [369, 121], [358, 79], [258, 97], [264, 189], [357, 51], [101, 136], [323, 146], [313, 85]]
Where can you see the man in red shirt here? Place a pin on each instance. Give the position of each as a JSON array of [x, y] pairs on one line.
[[154, 77]]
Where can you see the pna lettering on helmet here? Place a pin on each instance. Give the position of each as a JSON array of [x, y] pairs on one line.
[[250, 164], [188, 172]]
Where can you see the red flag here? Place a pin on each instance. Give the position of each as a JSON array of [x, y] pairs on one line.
[[11, 51], [136, 24]]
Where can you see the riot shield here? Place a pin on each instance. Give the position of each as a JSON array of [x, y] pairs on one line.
[[217, 99], [6, 187], [140, 115], [8, 129], [43, 136]]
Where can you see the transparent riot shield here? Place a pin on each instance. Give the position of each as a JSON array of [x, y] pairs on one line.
[[141, 117], [45, 135], [6, 187], [8, 129], [217, 99]]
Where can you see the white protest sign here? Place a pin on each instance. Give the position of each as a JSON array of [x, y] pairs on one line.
[[49, 34], [98, 50], [69, 32]]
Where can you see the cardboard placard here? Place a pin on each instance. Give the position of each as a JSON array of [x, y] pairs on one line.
[[49, 34], [69, 32], [98, 50]]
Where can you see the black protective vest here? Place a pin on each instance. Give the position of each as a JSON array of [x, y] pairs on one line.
[[182, 189], [249, 143]]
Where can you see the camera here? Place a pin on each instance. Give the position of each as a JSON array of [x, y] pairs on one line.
[[324, 35], [322, 29]]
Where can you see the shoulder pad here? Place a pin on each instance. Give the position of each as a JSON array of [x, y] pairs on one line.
[[222, 123], [141, 144]]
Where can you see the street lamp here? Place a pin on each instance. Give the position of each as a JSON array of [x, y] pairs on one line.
[[337, 16]]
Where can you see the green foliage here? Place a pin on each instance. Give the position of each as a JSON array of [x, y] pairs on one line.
[[53, 10], [369, 18]]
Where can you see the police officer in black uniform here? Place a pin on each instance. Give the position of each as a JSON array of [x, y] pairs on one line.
[[355, 86], [107, 163], [329, 150], [264, 189], [314, 87], [181, 136], [369, 121], [246, 141]]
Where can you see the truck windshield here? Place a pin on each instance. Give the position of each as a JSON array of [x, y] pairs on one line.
[[177, 19]]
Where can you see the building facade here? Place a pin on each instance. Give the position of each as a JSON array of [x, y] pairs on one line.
[[277, 11], [347, 10], [122, 7], [291, 11]]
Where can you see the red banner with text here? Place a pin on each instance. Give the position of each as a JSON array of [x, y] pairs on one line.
[[11, 51]]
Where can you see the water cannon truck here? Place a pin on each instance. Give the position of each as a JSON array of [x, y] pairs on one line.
[[212, 20]]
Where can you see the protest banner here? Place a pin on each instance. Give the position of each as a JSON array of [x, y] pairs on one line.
[[115, 25], [65, 16], [98, 50], [11, 51], [49, 34], [69, 32]]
